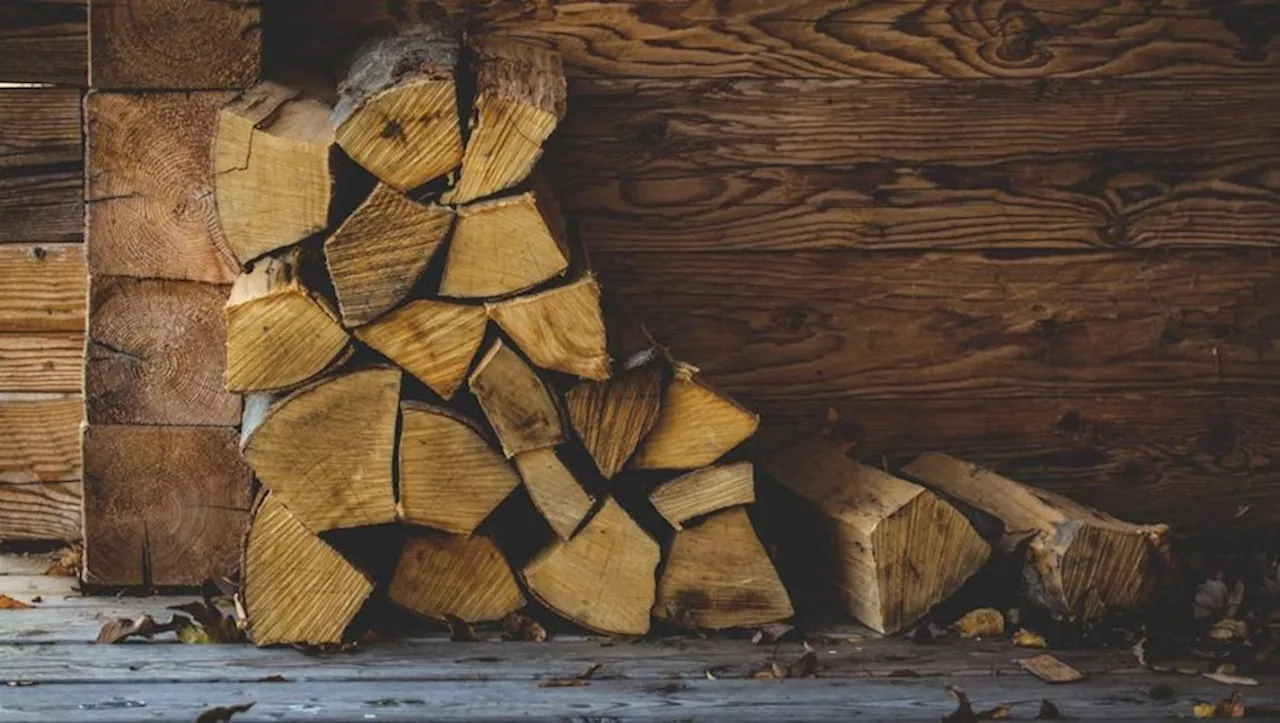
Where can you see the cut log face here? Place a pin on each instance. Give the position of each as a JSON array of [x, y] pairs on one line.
[[705, 491], [272, 158], [452, 575], [561, 329], [603, 578], [900, 548], [326, 450], [519, 406], [718, 576], [297, 589], [696, 427], [450, 478], [434, 341], [554, 490], [520, 98], [1080, 562], [611, 417], [397, 113], [279, 334], [501, 247]]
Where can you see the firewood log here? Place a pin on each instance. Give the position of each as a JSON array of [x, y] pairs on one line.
[[557, 494], [326, 450], [718, 575], [450, 478], [465, 577], [897, 548], [272, 158], [603, 578], [434, 341], [520, 98], [397, 110], [1080, 562], [380, 250], [696, 426], [561, 329], [502, 246], [704, 491], [279, 333], [296, 588], [611, 417], [520, 408]]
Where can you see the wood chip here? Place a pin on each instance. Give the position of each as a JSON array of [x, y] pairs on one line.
[[1050, 669], [8, 603]]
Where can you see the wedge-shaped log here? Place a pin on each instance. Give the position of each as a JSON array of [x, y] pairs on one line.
[[296, 588], [450, 478], [378, 253], [696, 426], [272, 159], [718, 576], [704, 491], [1080, 562], [518, 404], [603, 578], [897, 548], [501, 247], [554, 490], [279, 334], [520, 98], [397, 110], [561, 329], [434, 341], [326, 450], [611, 417], [465, 577]]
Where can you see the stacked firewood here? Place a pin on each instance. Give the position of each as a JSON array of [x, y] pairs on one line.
[[420, 344]]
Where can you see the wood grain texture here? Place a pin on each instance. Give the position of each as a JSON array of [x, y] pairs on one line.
[[41, 162], [41, 362], [41, 442], [42, 288], [174, 44], [44, 41], [151, 206], [47, 511]]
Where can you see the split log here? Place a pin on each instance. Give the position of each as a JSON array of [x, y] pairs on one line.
[[380, 250], [520, 98], [279, 334], [556, 493], [1080, 562], [603, 578], [434, 341], [443, 576], [296, 588], [696, 426], [704, 491], [520, 408], [326, 450], [274, 178], [502, 247], [561, 329], [450, 478], [611, 417], [718, 576], [897, 548], [397, 111]]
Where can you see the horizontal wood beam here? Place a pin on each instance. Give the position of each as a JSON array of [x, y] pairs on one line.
[[41, 362], [43, 511], [41, 164], [42, 288], [44, 41], [41, 440]]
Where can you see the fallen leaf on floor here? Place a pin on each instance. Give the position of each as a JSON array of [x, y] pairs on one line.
[[272, 679], [523, 628], [192, 635], [459, 630], [578, 680], [1228, 679], [980, 623], [215, 626], [115, 631], [1227, 668], [1024, 638], [964, 712], [8, 603], [806, 666], [1228, 630], [222, 714], [771, 633], [1048, 711], [37, 599], [1050, 669], [66, 562], [1230, 707]]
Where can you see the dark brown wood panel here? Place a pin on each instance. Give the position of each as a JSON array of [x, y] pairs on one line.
[[48, 511], [44, 41], [41, 440], [42, 288], [41, 362], [41, 164]]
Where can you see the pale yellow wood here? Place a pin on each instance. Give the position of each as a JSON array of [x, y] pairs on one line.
[[704, 491], [554, 490], [434, 341], [561, 329], [518, 404], [326, 450], [272, 160], [611, 417], [501, 247], [454, 575], [603, 578], [296, 588], [718, 575], [450, 478], [696, 427]]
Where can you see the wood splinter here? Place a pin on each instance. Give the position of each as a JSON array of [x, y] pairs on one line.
[[465, 577], [611, 417], [502, 247], [561, 329], [518, 404], [696, 426], [434, 341], [704, 491], [554, 490]]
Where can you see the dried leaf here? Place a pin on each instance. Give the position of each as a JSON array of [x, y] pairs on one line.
[[459, 630], [806, 666], [523, 628], [8, 603], [771, 633], [1204, 710], [192, 635], [1024, 638], [578, 680], [222, 714], [66, 562], [214, 625], [272, 679], [1229, 707], [1048, 711], [964, 712], [1228, 679], [980, 623], [1228, 630], [1050, 669], [115, 631]]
